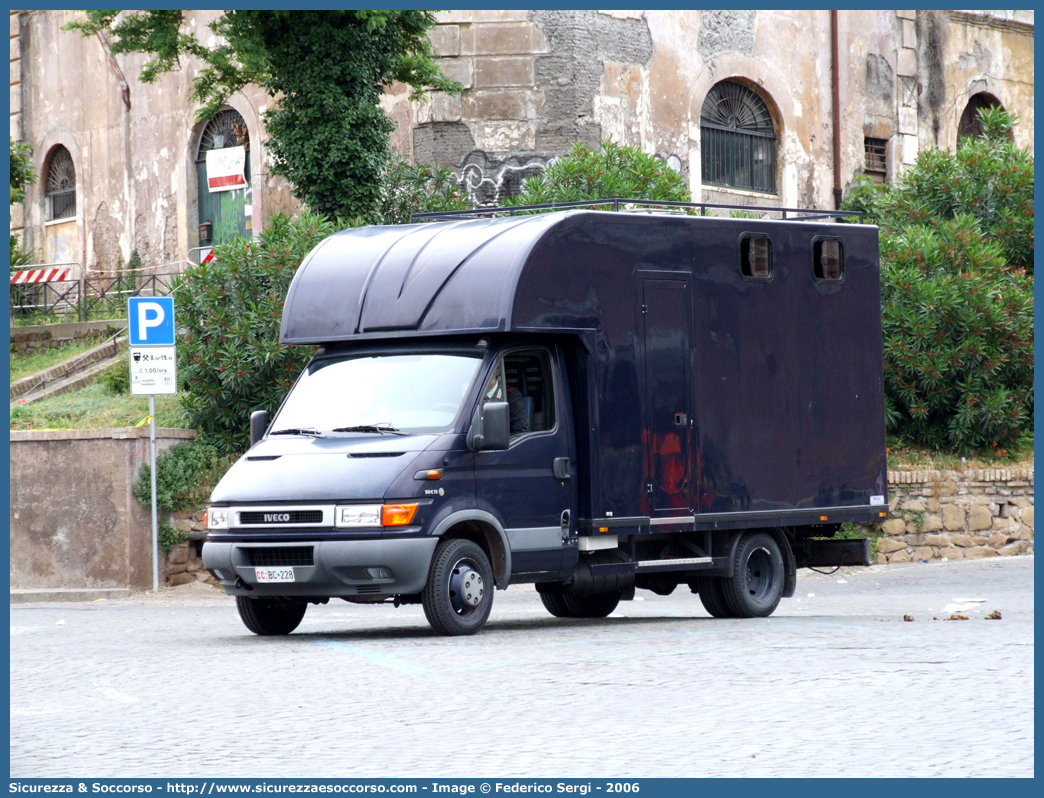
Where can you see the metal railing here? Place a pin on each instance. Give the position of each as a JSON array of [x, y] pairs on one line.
[[619, 204], [89, 296]]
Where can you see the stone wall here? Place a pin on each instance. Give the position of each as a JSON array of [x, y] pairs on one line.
[[957, 515], [74, 520], [49, 336], [184, 563], [537, 81]]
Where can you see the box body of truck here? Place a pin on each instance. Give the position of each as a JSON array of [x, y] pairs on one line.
[[617, 401]]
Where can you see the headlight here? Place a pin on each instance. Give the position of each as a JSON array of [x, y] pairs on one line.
[[357, 515], [217, 518]]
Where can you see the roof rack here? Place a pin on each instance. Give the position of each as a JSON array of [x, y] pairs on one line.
[[630, 205]]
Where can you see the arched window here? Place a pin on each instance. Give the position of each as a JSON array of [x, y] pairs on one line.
[[970, 127], [738, 139], [60, 189]]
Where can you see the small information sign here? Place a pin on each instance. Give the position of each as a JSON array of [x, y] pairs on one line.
[[153, 370]]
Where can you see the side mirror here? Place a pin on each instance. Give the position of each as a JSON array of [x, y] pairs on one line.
[[258, 425], [494, 427]]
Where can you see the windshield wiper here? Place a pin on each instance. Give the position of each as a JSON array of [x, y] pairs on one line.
[[380, 427], [299, 431]]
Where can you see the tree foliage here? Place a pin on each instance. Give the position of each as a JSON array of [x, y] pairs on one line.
[[616, 171], [956, 243], [327, 133], [22, 173], [230, 360]]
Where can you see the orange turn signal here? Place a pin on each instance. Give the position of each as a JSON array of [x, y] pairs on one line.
[[823, 518], [603, 529], [434, 474], [882, 515], [397, 514]]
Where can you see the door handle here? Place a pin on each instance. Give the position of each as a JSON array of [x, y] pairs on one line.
[[560, 468], [565, 519], [681, 419]]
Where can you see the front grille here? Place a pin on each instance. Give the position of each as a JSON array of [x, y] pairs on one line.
[[277, 556], [369, 589], [275, 517], [376, 454]]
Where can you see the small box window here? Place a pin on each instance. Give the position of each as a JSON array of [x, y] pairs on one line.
[[756, 257], [828, 260]]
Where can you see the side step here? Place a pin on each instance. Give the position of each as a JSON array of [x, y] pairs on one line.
[[658, 566]]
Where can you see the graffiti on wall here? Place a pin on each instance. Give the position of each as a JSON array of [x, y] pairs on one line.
[[487, 181]]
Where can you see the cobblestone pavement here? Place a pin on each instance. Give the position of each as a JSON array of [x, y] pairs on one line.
[[835, 683]]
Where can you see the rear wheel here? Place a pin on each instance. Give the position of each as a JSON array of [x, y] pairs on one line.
[[555, 604], [598, 605], [270, 616], [756, 586], [712, 595], [458, 595]]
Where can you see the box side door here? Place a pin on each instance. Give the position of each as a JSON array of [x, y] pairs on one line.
[[666, 324]]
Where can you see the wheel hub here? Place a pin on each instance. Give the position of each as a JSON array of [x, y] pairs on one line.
[[760, 574], [466, 588]]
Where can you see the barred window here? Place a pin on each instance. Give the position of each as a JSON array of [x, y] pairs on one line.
[[876, 159], [738, 139], [60, 190]]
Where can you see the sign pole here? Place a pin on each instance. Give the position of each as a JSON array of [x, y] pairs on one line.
[[152, 472], [153, 370]]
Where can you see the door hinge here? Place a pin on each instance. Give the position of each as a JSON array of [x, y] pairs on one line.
[[648, 487], [645, 308]]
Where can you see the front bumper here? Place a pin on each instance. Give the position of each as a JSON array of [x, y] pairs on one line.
[[373, 567]]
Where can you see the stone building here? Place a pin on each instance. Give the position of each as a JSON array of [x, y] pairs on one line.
[[740, 102]]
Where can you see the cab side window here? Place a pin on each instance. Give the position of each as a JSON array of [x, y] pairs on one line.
[[530, 391]]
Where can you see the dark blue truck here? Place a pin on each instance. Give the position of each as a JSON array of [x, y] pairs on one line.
[[589, 401]]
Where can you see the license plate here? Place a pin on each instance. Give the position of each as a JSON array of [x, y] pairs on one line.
[[266, 575]]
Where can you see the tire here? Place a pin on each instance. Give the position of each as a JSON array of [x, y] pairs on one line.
[[712, 596], [555, 604], [458, 595], [270, 616], [599, 605], [596, 606], [756, 586]]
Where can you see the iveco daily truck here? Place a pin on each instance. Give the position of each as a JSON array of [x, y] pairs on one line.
[[589, 401]]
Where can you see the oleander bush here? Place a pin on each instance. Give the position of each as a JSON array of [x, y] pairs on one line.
[[230, 361], [957, 292], [614, 171]]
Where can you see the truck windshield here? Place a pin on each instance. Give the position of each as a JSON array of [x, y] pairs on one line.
[[378, 393]]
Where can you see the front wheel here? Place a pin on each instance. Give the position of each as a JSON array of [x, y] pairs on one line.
[[756, 586], [270, 616], [458, 595]]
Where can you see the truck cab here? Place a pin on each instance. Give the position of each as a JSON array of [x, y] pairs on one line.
[[591, 402]]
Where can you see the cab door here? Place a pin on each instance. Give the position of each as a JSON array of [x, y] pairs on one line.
[[666, 324], [530, 486]]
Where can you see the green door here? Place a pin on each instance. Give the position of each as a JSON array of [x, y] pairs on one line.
[[228, 212]]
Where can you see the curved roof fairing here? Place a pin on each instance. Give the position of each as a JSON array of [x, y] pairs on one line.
[[426, 278]]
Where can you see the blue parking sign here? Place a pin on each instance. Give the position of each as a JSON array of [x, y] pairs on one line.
[[151, 320]]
